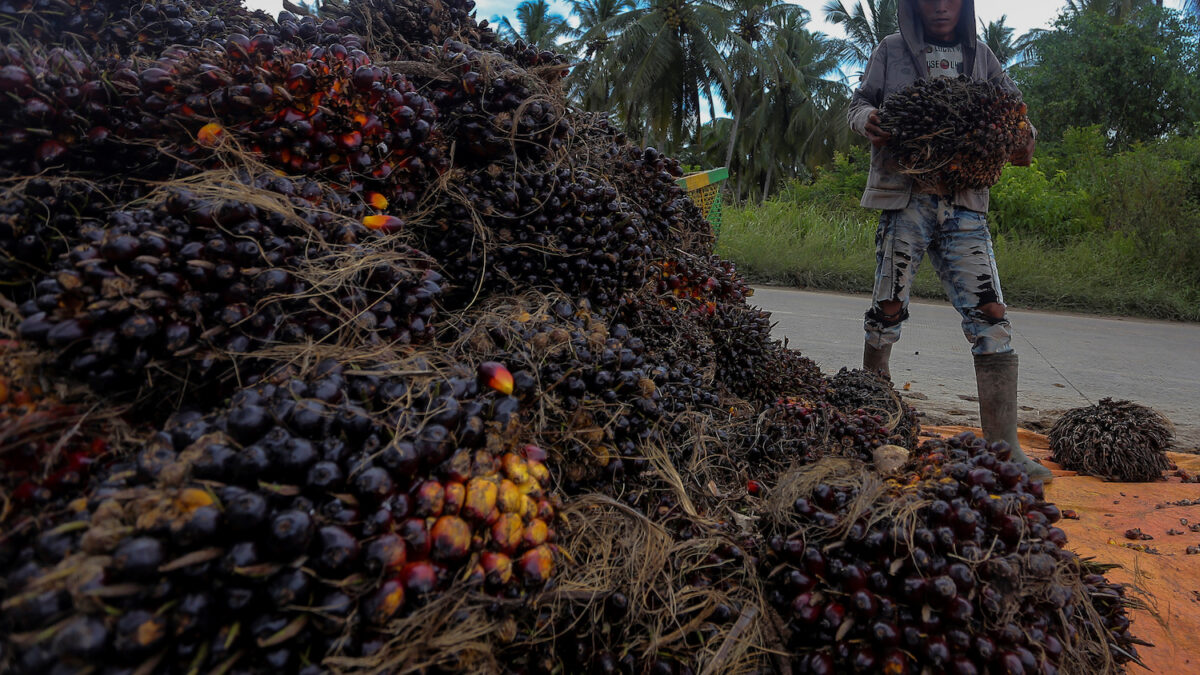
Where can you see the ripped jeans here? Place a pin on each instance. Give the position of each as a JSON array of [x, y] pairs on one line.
[[960, 247]]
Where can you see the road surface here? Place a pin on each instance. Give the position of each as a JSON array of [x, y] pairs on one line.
[[1067, 360]]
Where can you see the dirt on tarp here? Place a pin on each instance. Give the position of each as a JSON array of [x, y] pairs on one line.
[[1163, 574]]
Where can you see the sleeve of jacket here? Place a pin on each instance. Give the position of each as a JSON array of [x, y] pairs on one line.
[[996, 73], [869, 95]]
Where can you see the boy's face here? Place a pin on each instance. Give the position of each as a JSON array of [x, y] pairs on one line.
[[940, 17]]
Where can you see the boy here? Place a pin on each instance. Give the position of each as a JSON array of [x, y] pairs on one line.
[[937, 39]]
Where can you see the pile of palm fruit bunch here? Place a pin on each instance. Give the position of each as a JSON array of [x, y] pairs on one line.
[[955, 134], [343, 343], [1115, 440], [954, 567]]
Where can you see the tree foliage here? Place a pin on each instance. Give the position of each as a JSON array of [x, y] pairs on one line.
[[865, 26], [537, 25], [1138, 78]]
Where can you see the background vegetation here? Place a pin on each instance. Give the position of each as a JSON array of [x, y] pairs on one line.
[[1106, 220], [1082, 229]]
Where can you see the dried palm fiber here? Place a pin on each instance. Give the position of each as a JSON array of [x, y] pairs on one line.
[[1115, 440]]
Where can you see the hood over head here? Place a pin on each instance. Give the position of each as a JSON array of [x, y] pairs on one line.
[[913, 31]]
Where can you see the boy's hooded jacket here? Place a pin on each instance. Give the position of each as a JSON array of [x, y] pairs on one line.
[[897, 62]]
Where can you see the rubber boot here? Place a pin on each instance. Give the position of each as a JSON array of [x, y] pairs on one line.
[[996, 379], [876, 360]]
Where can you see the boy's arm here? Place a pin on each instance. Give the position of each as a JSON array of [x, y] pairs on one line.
[[869, 95]]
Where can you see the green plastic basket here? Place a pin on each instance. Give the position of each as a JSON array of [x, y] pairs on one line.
[[705, 190]]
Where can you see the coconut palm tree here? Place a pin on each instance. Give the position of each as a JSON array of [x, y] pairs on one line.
[[669, 51], [591, 81], [538, 25], [750, 46], [790, 116], [865, 26], [999, 38]]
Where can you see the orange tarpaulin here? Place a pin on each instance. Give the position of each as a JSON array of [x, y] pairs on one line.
[[1169, 578]]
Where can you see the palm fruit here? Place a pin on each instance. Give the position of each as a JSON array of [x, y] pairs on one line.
[[317, 110], [219, 519], [40, 219], [174, 285], [1115, 440], [224, 195], [412, 29], [975, 578], [954, 133]]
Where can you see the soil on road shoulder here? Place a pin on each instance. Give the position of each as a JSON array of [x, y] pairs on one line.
[[1067, 360]]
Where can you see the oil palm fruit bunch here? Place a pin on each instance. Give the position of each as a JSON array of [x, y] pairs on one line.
[[807, 428], [496, 110], [959, 569], [40, 219], [851, 390], [956, 133], [591, 384], [752, 364], [546, 226], [294, 524], [124, 27], [178, 285], [530, 57], [412, 30], [698, 284], [1115, 440], [327, 111], [646, 178], [62, 109]]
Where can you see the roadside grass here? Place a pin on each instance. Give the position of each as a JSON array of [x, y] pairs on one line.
[[816, 246]]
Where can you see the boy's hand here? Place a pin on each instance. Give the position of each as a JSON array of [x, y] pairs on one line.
[[875, 133], [1023, 156]]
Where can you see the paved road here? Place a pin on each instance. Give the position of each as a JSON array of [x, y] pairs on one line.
[[1067, 360]]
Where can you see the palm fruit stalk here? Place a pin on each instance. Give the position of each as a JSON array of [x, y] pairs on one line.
[[955, 134]]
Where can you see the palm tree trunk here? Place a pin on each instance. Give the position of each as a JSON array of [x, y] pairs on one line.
[[767, 183], [733, 133]]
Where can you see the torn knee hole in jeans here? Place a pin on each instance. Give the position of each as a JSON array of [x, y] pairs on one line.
[[877, 315], [987, 317]]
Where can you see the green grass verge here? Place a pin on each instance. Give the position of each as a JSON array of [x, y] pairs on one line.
[[818, 247]]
